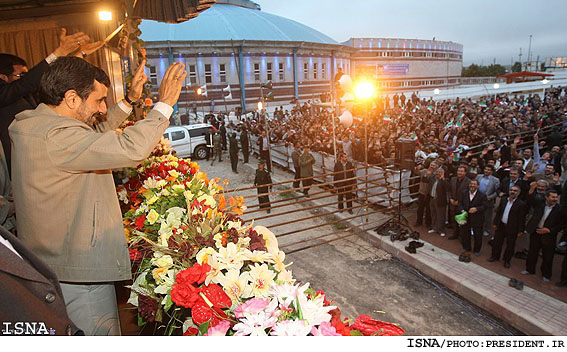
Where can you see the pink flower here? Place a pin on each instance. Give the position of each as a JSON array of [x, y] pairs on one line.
[[218, 330], [252, 306], [325, 329]]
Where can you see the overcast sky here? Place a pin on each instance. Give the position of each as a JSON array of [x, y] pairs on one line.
[[487, 29]]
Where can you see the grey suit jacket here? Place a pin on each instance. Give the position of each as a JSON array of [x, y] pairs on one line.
[[493, 188]]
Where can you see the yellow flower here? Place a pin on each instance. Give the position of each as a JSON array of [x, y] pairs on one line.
[[270, 238], [204, 255], [153, 199], [179, 188], [174, 164], [173, 173], [235, 284], [188, 196], [162, 261], [159, 273], [153, 216], [209, 200]]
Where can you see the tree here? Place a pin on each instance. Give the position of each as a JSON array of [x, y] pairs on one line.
[[483, 71], [517, 67]]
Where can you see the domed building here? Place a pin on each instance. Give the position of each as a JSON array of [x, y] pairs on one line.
[[235, 44]]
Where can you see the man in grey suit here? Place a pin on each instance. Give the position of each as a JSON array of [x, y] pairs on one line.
[[459, 184], [490, 186]]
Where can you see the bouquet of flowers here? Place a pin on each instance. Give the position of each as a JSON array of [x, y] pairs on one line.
[[199, 270]]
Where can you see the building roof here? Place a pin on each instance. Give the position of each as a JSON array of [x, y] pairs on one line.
[[228, 21], [525, 74]]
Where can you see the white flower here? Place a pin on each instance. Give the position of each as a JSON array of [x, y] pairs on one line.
[[230, 257], [237, 225], [209, 200], [313, 310], [262, 279], [161, 183], [284, 293], [136, 289], [285, 276], [235, 284], [150, 183], [166, 282], [254, 325], [123, 196], [291, 328], [153, 216], [162, 261], [204, 254]]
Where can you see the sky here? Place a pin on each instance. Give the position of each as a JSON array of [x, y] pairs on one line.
[[488, 29]]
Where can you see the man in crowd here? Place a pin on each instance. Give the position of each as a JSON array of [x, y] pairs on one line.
[[264, 147], [514, 180], [423, 208], [488, 185], [547, 220], [296, 167], [473, 202], [344, 172], [459, 185], [217, 148], [306, 161], [62, 166], [233, 152], [439, 194], [509, 224], [244, 143], [263, 178]]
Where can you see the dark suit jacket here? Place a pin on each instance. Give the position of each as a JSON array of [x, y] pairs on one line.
[[442, 192], [346, 174], [524, 187], [30, 291], [479, 202], [554, 222], [16, 97], [516, 217], [456, 193]]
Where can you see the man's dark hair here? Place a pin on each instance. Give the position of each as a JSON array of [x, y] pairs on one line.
[[69, 73], [7, 62], [462, 167], [489, 167], [549, 191]]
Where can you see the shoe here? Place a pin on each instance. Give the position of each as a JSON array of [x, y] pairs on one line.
[[492, 259], [476, 254], [545, 279], [236, 172], [486, 234], [443, 234], [507, 265], [524, 272], [411, 250], [561, 283], [453, 237], [414, 235], [461, 258], [521, 255], [513, 282], [519, 285], [430, 231], [466, 259]]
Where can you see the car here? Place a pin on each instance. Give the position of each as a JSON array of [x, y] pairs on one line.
[[189, 141]]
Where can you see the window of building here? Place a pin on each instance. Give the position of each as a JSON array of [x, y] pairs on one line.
[[192, 74], [153, 75], [208, 74], [315, 71], [257, 72], [281, 71], [306, 71], [323, 71], [269, 71], [222, 73]]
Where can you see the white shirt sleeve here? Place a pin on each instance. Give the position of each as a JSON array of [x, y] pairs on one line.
[[52, 57], [165, 109], [122, 105]]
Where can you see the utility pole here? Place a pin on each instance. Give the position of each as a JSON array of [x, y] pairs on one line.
[[530, 52], [520, 58]]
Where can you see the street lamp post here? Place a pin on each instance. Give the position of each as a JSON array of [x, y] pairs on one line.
[[364, 92], [496, 86], [545, 81]]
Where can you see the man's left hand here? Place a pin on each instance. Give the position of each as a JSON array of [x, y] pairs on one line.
[[543, 231]]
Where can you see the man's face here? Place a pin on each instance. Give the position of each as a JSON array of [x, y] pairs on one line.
[[514, 192], [551, 199], [546, 156], [19, 71], [549, 169], [487, 171], [527, 153], [541, 187], [555, 150], [439, 174], [343, 158], [519, 164], [514, 174], [461, 172], [94, 105], [474, 162], [473, 186]]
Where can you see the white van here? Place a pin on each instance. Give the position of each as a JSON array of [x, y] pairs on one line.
[[189, 141]]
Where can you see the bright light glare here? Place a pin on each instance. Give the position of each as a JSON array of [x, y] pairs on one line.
[[105, 15], [260, 105], [364, 90], [436, 91], [199, 91], [545, 81], [496, 86]]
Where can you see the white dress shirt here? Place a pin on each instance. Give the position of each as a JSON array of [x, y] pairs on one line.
[[546, 212], [7, 243], [507, 210], [471, 195]]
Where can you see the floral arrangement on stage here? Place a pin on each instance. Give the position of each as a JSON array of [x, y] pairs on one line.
[[200, 270]]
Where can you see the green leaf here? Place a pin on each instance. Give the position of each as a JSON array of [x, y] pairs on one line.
[[203, 328], [141, 321], [168, 303], [355, 333]]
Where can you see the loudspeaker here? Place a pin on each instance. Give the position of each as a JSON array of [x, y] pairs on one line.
[[405, 153]]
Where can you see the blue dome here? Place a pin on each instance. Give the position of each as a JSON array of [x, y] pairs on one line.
[[230, 22]]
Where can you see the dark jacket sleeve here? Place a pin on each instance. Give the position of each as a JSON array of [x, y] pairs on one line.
[[11, 92]]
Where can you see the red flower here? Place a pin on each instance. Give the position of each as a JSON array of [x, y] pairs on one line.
[[134, 254], [185, 295], [209, 308], [195, 274], [191, 332], [140, 222], [368, 326], [338, 324], [193, 171]]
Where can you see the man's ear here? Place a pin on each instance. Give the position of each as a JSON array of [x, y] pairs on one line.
[[71, 99], [4, 77]]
